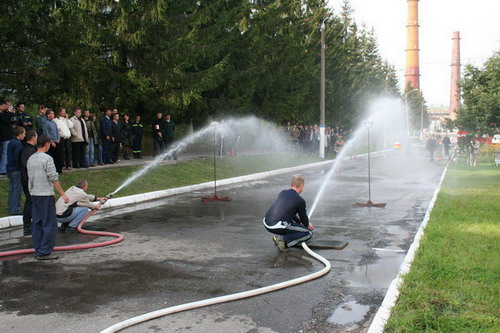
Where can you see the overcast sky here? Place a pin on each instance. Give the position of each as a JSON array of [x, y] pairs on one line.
[[477, 21]]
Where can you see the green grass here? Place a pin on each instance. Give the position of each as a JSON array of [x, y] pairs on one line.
[[104, 181], [454, 282]]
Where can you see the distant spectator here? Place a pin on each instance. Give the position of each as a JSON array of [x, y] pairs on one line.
[[106, 136], [50, 130], [79, 139], [14, 171], [126, 136], [25, 120], [98, 141], [446, 144], [64, 127], [157, 129], [6, 134], [137, 131], [169, 134], [42, 179], [71, 213], [28, 150], [431, 147], [40, 119], [116, 130], [92, 134]]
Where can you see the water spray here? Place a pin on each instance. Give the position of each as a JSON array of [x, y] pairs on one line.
[[369, 203]]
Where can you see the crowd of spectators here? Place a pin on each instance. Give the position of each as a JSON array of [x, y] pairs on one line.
[[77, 141], [306, 138]]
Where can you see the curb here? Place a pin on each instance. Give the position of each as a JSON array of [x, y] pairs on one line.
[[16, 221], [384, 311]]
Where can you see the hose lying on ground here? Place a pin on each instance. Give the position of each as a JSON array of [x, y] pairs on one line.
[[118, 238], [222, 299]]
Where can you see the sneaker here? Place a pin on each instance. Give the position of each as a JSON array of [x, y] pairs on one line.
[[47, 257], [280, 243]]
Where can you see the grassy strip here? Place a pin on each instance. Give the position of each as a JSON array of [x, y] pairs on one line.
[[103, 181], [454, 284]]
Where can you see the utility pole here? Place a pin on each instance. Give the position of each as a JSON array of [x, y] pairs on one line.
[[322, 97]]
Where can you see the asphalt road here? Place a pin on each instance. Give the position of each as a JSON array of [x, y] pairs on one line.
[[186, 250]]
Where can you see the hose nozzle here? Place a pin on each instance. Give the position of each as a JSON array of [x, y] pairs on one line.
[[110, 195]]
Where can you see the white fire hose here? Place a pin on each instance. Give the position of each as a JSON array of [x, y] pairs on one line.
[[222, 299]]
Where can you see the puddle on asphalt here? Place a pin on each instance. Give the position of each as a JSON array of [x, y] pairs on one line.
[[349, 314], [379, 274]]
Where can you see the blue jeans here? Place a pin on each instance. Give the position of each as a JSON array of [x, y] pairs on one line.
[[3, 157], [89, 152], [44, 228], [15, 189], [99, 155], [76, 216]]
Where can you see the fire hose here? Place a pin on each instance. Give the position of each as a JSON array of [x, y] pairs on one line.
[[118, 237]]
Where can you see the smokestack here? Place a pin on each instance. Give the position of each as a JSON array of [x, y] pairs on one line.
[[455, 76], [412, 74]]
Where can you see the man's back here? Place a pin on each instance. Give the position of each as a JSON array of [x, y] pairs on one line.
[[286, 206]]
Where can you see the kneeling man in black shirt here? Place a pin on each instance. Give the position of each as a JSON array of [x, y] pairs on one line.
[[281, 218]]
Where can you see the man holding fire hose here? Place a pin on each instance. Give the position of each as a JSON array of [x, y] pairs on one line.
[[281, 218], [69, 214]]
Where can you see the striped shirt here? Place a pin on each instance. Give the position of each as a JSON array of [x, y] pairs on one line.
[[41, 174]]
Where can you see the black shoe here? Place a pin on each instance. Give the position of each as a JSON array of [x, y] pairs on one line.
[[139, 157], [63, 227], [47, 257], [27, 231], [72, 230]]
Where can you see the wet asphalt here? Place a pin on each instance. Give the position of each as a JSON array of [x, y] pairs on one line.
[[185, 250]]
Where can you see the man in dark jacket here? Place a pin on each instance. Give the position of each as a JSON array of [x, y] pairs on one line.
[[106, 136], [24, 119], [137, 131], [281, 218], [158, 128], [6, 133], [116, 132], [169, 135], [14, 170], [28, 150]]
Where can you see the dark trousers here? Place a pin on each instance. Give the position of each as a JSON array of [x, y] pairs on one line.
[[137, 145], [78, 152], [44, 229], [158, 146], [168, 144], [66, 152], [28, 207], [292, 232], [106, 151], [115, 150], [57, 154]]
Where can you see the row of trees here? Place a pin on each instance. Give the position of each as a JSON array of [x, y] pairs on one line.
[[481, 96], [192, 58]]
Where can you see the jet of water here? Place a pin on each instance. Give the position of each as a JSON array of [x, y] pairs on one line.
[[179, 146], [388, 118], [259, 136]]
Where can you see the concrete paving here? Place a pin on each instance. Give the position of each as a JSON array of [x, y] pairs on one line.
[[186, 250]]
